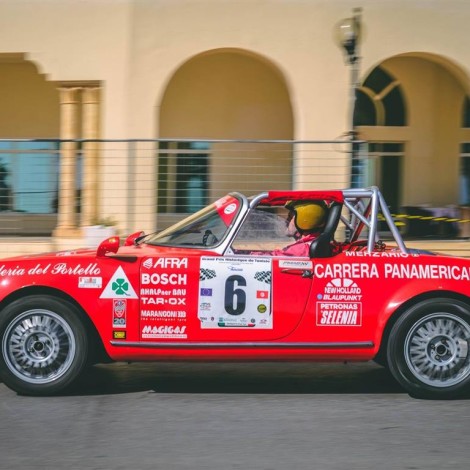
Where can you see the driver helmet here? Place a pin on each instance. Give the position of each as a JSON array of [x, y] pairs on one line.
[[309, 216]]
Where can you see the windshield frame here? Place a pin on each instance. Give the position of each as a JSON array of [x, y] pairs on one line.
[[221, 244]]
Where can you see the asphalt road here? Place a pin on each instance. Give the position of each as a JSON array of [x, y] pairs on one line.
[[236, 416]]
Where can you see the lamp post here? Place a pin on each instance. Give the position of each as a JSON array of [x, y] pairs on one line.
[[348, 36]]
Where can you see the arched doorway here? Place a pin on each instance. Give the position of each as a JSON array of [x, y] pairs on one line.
[[410, 110], [222, 94], [29, 171]]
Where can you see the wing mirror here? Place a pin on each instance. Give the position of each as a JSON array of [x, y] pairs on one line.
[[130, 240], [110, 245]]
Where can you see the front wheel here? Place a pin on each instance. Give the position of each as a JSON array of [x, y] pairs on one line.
[[428, 350], [44, 345]]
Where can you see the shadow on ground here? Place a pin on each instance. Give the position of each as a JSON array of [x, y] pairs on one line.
[[270, 378]]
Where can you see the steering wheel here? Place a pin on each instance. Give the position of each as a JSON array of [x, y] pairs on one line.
[[209, 239]]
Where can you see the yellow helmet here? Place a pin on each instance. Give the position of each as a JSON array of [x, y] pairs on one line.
[[309, 215]]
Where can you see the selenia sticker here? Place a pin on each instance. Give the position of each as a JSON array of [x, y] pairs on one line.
[[235, 292]]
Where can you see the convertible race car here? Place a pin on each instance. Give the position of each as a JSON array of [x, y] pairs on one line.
[[221, 286]]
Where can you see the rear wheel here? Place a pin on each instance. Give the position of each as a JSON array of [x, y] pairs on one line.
[[44, 345], [428, 349]]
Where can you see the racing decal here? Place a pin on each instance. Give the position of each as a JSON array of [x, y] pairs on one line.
[[119, 334], [164, 332], [119, 287], [163, 297], [227, 208], [340, 304], [295, 264], [235, 292], [90, 282], [381, 254], [119, 313], [91, 269], [391, 271], [346, 270]]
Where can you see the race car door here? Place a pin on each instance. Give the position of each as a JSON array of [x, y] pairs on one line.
[[251, 297], [222, 298]]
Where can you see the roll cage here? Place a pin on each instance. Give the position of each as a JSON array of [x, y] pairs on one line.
[[366, 207], [361, 211]]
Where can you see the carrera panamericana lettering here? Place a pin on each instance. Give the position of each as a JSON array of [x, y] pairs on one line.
[[350, 271], [430, 271]]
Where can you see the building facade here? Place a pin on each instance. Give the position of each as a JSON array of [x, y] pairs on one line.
[[261, 70]]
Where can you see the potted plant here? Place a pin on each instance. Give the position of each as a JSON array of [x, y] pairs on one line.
[[100, 229]]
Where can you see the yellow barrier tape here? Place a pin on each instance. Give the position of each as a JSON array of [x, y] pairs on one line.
[[424, 217]]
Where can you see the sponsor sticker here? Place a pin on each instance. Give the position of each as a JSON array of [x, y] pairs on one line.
[[164, 331], [90, 282], [119, 335], [119, 287], [340, 304], [119, 312]]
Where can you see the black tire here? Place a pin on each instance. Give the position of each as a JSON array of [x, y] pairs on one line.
[[428, 349], [43, 345]]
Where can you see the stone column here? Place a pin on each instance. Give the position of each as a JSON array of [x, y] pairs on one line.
[[90, 130], [69, 118]]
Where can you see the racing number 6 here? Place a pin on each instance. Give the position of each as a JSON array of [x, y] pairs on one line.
[[235, 298]]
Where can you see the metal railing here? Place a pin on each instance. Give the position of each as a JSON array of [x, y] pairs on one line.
[[151, 183]]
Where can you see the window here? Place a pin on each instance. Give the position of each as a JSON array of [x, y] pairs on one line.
[[183, 177], [464, 190], [29, 175], [384, 168], [380, 101]]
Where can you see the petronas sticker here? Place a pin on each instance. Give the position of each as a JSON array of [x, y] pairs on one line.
[[119, 287]]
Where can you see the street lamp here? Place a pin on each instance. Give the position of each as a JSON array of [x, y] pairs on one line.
[[348, 34]]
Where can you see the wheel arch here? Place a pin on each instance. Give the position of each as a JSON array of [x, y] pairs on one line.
[[97, 349], [402, 308]]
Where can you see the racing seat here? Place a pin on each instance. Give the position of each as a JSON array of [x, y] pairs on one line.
[[322, 247]]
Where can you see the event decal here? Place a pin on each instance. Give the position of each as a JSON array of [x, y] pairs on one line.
[[235, 293], [163, 298], [391, 271]]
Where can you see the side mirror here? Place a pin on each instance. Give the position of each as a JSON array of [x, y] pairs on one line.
[[110, 245], [130, 240]]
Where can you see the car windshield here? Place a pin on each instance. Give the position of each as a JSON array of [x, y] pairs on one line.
[[204, 229]]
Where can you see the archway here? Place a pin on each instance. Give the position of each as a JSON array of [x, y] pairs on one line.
[[411, 110], [28, 170], [223, 94]]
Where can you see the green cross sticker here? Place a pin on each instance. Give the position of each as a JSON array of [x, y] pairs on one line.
[[120, 286]]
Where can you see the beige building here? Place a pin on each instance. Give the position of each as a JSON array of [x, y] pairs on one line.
[[222, 69]]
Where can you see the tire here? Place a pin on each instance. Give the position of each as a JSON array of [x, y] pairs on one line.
[[44, 345], [428, 349]]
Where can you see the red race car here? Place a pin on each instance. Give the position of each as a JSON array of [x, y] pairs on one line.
[[282, 276]]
